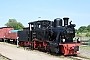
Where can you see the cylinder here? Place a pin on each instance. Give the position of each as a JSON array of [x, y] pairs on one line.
[[57, 22], [66, 19]]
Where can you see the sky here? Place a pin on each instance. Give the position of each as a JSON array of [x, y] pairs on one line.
[[25, 11]]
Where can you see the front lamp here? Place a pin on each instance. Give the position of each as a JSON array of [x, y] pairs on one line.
[[63, 40]]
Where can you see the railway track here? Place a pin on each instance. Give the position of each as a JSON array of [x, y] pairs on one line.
[[72, 57], [5, 57], [78, 58]]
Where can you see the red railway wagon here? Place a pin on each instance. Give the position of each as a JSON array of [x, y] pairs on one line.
[[1, 33], [7, 36], [4, 32], [12, 36]]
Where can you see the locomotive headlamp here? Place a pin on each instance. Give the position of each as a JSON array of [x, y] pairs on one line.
[[63, 40]]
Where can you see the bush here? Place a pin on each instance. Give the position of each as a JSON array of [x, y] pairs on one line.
[[88, 35], [78, 35]]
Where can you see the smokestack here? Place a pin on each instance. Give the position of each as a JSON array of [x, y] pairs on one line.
[[66, 19]]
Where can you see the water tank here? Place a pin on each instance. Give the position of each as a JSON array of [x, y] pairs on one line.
[[57, 22]]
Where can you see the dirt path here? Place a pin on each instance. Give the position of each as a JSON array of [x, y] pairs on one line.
[[14, 53]]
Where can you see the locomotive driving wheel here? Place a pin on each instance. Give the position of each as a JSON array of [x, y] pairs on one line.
[[48, 48]]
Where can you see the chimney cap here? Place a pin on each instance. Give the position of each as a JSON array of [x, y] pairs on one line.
[[65, 18]]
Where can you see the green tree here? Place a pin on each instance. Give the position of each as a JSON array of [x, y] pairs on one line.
[[13, 23], [82, 28], [88, 28], [85, 31], [19, 26], [76, 31]]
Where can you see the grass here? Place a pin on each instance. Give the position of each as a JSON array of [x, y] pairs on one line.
[[3, 58], [86, 47], [81, 34]]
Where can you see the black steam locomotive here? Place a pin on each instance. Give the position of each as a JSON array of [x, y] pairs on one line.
[[51, 36]]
